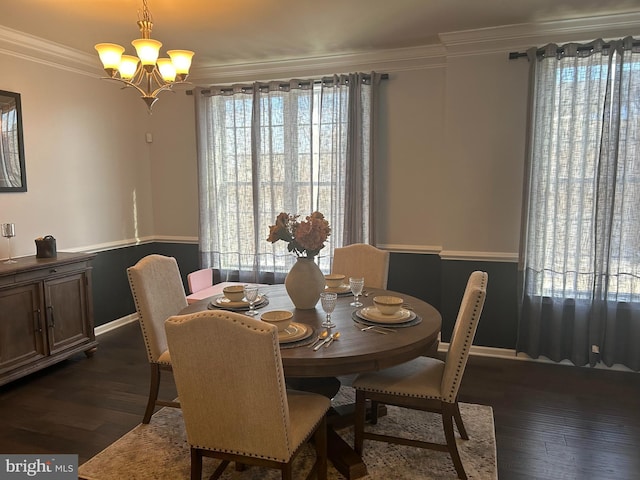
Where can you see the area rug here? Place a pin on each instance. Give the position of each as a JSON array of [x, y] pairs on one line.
[[159, 450]]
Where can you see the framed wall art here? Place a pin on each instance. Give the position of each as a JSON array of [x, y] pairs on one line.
[[13, 176]]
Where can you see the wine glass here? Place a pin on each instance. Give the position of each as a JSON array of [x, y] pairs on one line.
[[9, 231], [328, 301], [356, 284], [251, 294]]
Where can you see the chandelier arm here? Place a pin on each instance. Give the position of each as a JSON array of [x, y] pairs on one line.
[[128, 84]]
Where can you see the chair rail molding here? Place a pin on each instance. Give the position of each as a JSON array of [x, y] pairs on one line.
[[399, 248], [479, 256]]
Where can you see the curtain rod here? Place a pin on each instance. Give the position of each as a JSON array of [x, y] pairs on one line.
[[383, 76], [560, 50]]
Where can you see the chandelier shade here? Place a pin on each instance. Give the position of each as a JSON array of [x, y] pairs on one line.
[[147, 73]]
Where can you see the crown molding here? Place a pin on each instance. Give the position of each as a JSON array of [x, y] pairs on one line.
[[29, 47], [460, 43], [390, 60], [507, 37]]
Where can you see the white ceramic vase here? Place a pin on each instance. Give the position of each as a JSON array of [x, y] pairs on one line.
[[304, 283]]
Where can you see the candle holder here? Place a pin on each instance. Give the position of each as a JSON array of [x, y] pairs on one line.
[[8, 232]]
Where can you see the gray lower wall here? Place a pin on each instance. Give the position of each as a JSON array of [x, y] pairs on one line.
[[426, 276]]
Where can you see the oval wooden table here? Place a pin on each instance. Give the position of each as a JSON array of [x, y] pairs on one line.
[[354, 352]]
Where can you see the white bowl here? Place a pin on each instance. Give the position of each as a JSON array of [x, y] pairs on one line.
[[334, 280], [279, 318], [387, 304], [235, 293]]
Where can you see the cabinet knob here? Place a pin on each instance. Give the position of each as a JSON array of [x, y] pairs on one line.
[[53, 270]]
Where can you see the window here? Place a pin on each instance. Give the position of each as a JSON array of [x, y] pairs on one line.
[[573, 184], [278, 147]]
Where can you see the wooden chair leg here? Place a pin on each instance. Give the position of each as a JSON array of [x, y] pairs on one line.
[[220, 470], [320, 440], [196, 464], [448, 413], [459, 423], [287, 471], [360, 413], [374, 412], [154, 388]]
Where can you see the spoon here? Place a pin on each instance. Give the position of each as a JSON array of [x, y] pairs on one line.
[[321, 336], [333, 337], [323, 342]]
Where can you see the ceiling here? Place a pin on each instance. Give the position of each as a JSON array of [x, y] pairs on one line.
[[258, 31]]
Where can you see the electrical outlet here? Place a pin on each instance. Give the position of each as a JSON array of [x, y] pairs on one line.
[[595, 349]]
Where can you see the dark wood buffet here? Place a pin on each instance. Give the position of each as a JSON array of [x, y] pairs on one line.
[[46, 312]]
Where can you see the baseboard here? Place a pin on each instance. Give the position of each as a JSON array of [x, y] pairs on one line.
[[476, 350], [510, 354], [117, 323]]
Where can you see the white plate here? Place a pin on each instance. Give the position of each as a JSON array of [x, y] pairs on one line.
[[374, 315], [339, 290], [294, 332], [223, 302]]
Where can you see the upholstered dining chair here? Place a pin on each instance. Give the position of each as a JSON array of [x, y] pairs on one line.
[[158, 293], [426, 383], [236, 408], [200, 279], [362, 260]]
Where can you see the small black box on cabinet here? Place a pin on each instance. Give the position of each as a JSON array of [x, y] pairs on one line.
[[46, 247]]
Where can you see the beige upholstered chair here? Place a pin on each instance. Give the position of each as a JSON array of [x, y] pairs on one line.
[[362, 260], [158, 293], [236, 408], [426, 383]]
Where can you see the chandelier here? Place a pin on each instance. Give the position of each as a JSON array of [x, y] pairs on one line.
[[146, 73]]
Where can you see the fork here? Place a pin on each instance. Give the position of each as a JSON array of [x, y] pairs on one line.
[[363, 327], [372, 328]]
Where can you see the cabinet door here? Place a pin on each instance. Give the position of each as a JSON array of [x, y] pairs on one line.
[[67, 317], [22, 335]]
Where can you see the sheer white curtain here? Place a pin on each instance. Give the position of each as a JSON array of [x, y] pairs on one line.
[[294, 147], [580, 251]]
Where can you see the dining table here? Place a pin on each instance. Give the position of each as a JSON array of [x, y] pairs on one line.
[[364, 344]]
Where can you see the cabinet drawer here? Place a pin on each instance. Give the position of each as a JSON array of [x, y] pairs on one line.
[[50, 271]]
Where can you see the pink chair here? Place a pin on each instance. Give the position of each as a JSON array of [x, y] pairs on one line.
[[200, 279], [201, 285]]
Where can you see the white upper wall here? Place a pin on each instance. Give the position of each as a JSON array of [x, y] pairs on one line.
[[485, 123], [174, 174], [87, 164]]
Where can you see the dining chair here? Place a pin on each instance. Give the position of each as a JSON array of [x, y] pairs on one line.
[[158, 293], [236, 408], [200, 279], [362, 260], [426, 383]]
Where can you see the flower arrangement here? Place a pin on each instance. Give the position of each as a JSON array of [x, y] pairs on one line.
[[305, 238]]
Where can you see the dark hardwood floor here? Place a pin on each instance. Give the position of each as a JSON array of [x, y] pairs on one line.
[[552, 422]]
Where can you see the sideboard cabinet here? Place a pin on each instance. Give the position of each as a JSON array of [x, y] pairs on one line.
[[46, 312]]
